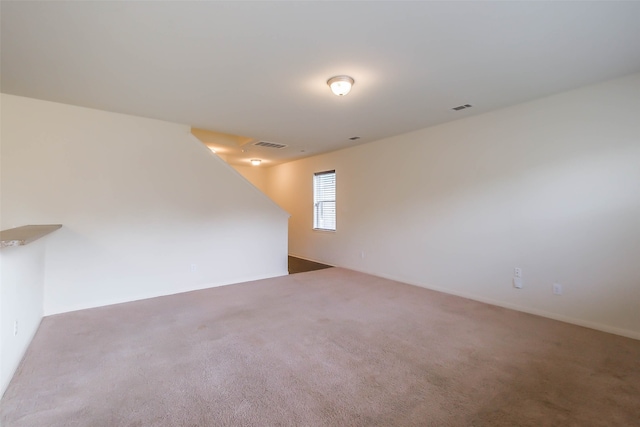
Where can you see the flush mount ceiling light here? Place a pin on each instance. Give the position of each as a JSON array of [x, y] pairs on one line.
[[340, 85], [256, 162]]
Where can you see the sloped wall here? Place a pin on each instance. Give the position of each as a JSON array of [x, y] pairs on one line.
[[256, 175], [146, 209], [551, 186]]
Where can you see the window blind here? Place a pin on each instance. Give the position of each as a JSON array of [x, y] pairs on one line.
[[324, 200]]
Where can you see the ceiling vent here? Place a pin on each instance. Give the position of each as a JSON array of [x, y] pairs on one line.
[[269, 145], [461, 107]]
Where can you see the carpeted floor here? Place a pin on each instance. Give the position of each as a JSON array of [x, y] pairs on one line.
[[325, 348]]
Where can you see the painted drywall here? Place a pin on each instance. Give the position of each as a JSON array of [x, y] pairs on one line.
[[21, 301], [256, 175], [146, 208], [551, 186]]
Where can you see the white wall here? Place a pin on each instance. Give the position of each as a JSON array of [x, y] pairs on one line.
[[21, 300], [140, 201], [551, 186]]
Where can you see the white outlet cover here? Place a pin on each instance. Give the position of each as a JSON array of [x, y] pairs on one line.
[[557, 289], [517, 282]]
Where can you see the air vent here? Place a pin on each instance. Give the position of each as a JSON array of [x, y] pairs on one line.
[[461, 107], [269, 145]]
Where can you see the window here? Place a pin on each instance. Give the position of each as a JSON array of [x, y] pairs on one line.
[[324, 200]]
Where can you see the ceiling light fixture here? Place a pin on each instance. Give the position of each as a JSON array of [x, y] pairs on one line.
[[256, 162], [340, 85]]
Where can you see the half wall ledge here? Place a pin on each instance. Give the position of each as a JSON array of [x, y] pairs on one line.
[[26, 234]]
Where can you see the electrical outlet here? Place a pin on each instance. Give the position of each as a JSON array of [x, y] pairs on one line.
[[517, 272], [557, 289], [194, 268], [517, 282], [15, 327]]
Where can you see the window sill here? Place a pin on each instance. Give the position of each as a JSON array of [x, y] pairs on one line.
[[324, 230]]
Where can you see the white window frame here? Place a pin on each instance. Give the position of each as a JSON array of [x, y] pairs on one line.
[[324, 201]]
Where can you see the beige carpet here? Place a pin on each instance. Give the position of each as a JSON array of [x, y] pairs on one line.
[[325, 348]]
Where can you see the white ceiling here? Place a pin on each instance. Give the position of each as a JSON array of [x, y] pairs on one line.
[[259, 69]]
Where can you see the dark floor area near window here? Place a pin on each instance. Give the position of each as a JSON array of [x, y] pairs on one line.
[[299, 265]]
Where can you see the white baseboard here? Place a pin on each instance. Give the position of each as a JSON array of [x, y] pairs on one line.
[[162, 294], [574, 321], [309, 259]]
